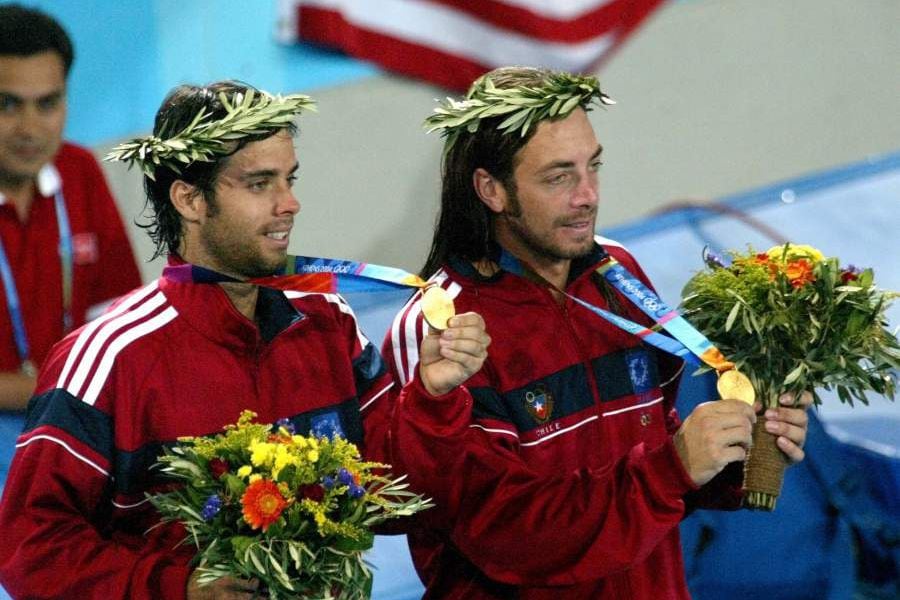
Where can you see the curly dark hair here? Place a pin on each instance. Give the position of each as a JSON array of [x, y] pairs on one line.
[[179, 108]]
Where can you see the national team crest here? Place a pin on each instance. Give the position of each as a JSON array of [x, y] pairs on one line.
[[539, 403], [639, 371]]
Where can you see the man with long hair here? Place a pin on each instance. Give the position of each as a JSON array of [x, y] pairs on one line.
[[568, 474], [186, 354]]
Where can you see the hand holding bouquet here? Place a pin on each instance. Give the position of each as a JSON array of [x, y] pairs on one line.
[[793, 320], [295, 512]]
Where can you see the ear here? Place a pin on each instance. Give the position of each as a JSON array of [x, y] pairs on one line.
[[490, 190], [187, 200]]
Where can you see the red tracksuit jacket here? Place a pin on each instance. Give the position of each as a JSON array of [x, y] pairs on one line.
[[169, 360], [558, 478]]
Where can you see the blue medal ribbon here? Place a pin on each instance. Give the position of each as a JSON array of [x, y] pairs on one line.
[[687, 343], [309, 273], [12, 294]]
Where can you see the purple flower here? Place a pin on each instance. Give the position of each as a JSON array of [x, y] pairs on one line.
[[287, 424], [356, 491], [327, 482], [212, 507], [712, 259], [345, 477]]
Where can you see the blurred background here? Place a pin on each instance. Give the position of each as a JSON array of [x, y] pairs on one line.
[[738, 121]]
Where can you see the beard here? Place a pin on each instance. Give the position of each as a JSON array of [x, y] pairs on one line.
[[237, 256], [542, 245]]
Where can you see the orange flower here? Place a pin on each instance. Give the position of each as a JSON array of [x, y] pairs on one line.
[[799, 272], [263, 503]]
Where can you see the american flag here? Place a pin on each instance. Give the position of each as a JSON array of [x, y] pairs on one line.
[[452, 42]]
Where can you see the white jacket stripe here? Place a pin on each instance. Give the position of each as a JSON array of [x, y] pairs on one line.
[[91, 327], [93, 350], [106, 363]]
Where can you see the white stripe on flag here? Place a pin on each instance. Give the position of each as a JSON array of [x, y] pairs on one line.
[[453, 32]]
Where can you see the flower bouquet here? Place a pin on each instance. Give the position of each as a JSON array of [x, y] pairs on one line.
[[793, 320], [293, 512]]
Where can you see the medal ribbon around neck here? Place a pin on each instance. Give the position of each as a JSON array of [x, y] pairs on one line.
[[330, 275], [14, 305], [686, 342]]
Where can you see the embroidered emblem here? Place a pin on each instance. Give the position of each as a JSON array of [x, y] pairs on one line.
[[326, 425], [539, 404], [639, 371]]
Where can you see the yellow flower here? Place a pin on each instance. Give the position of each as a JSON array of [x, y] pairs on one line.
[[283, 458], [779, 254], [312, 455], [320, 518], [299, 441], [254, 478], [261, 453], [245, 471]]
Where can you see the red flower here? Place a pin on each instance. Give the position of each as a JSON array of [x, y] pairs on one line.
[[313, 491], [218, 467], [847, 276], [263, 503]]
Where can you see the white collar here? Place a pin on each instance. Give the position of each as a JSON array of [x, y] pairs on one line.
[[48, 182]]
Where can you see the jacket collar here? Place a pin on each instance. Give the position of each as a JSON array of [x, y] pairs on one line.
[[207, 308], [509, 264]]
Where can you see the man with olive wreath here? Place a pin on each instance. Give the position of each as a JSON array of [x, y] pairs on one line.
[[186, 354], [569, 472]]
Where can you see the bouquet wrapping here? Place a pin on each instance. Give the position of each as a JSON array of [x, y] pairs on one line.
[[291, 511], [794, 320]]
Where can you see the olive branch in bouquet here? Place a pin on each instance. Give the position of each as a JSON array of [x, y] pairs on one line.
[[794, 320]]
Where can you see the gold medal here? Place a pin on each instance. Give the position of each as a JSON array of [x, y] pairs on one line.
[[437, 307], [734, 385]]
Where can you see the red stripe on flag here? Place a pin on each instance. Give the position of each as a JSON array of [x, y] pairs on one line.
[[329, 28], [583, 28]]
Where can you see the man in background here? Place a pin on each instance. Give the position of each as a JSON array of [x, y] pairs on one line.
[[64, 253]]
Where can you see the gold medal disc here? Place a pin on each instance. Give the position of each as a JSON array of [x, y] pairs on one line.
[[734, 385], [437, 307]]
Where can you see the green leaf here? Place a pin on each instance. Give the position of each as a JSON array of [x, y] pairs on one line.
[[794, 375], [732, 315]]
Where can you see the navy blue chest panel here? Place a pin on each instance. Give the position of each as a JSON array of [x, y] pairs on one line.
[[618, 375], [132, 469]]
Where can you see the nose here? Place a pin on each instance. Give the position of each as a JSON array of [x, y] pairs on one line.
[[287, 202], [29, 121], [587, 193]]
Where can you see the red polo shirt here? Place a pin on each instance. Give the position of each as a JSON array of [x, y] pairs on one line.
[[103, 263]]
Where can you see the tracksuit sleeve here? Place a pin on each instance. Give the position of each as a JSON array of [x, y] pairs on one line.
[[55, 507]]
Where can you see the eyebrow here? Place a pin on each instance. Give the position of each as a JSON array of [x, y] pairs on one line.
[[21, 100], [266, 173], [568, 164]]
